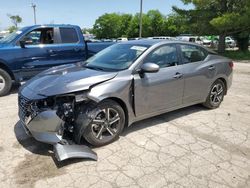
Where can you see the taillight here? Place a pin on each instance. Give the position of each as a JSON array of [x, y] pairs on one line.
[[231, 64]]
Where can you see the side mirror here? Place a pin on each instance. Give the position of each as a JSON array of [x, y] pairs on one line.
[[22, 43], [150, 68]]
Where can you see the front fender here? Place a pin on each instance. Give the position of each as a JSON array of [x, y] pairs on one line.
[[120, 88]]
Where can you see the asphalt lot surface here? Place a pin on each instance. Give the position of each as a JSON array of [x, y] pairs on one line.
[[191, 147]]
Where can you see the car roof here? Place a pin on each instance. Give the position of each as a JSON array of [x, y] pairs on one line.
[[152, 42], [144, 42], [52, 25]]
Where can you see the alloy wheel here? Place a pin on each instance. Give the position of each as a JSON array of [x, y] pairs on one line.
[[216, 94], [106, 124]]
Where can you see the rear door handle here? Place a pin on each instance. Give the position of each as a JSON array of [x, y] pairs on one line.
[[177, 75], [28, 67], [50, 51], [211, 67]]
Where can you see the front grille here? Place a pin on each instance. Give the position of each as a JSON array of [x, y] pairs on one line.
[[24, 108]]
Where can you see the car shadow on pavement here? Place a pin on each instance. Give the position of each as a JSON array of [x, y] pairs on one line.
[[166, 117], [39, 148]]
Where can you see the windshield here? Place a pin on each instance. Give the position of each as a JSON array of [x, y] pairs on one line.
[[116, 57], [10, 37]]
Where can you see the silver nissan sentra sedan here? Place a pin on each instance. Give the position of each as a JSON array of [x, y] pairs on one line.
[[130, 81]]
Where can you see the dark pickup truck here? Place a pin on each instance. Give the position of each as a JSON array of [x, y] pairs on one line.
[[30, 50]]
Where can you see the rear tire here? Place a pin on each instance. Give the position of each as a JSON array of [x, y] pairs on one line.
[[5, 82], [107, 125], [216, 95]]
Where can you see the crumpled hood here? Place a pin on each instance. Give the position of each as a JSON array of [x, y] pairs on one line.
[[66, 79]]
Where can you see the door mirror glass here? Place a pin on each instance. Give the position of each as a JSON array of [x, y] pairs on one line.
[[150, 67]]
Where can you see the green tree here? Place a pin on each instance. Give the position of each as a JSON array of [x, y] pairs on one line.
[[106, 26], [133, 30], [174, 25], [112, 25], [222, 17], [156, 22], [15, 19], [11, 29], [87, 30], [125, 20]]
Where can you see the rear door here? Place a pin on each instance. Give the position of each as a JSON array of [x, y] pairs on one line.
[[70, 47], [197, 73]]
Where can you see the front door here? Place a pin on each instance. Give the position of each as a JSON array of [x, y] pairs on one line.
[[34, 57], [46, 47], [163, 90]]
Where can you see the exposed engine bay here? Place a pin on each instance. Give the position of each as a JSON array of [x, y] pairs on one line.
[[59, 121]]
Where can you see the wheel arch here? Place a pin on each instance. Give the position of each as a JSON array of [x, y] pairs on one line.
[[225, 83], [123, 105], [7, 69]]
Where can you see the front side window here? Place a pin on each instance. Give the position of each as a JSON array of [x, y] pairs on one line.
[[116, 57], [39, 36], [164, 56], [68, 35], [192, 53]]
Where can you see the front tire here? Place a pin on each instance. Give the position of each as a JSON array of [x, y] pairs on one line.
[[5, 82], [107, 125], [216, 95]]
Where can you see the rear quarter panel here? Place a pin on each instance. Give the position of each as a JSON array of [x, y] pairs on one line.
[[223, 70]]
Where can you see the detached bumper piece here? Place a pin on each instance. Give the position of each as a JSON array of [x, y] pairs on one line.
[[63, 152]]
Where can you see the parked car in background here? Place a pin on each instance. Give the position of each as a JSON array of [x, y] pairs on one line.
[[124, 83], [137, 38], [122, 39], [230, 43], [30, 50], [189, 38], [162, 37]]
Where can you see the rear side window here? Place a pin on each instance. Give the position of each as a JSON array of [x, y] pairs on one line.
[[68, 35], [192, 53]]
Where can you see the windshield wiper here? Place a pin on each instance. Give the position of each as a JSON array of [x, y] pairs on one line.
[[94, 68]]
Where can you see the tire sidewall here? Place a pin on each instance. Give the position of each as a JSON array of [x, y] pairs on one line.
[[8, 82]]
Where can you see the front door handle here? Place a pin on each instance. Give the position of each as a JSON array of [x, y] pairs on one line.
[[77, 49], [178, 75], [211, 67]]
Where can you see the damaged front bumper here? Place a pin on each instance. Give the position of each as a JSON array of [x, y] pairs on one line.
[[46, 126]]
